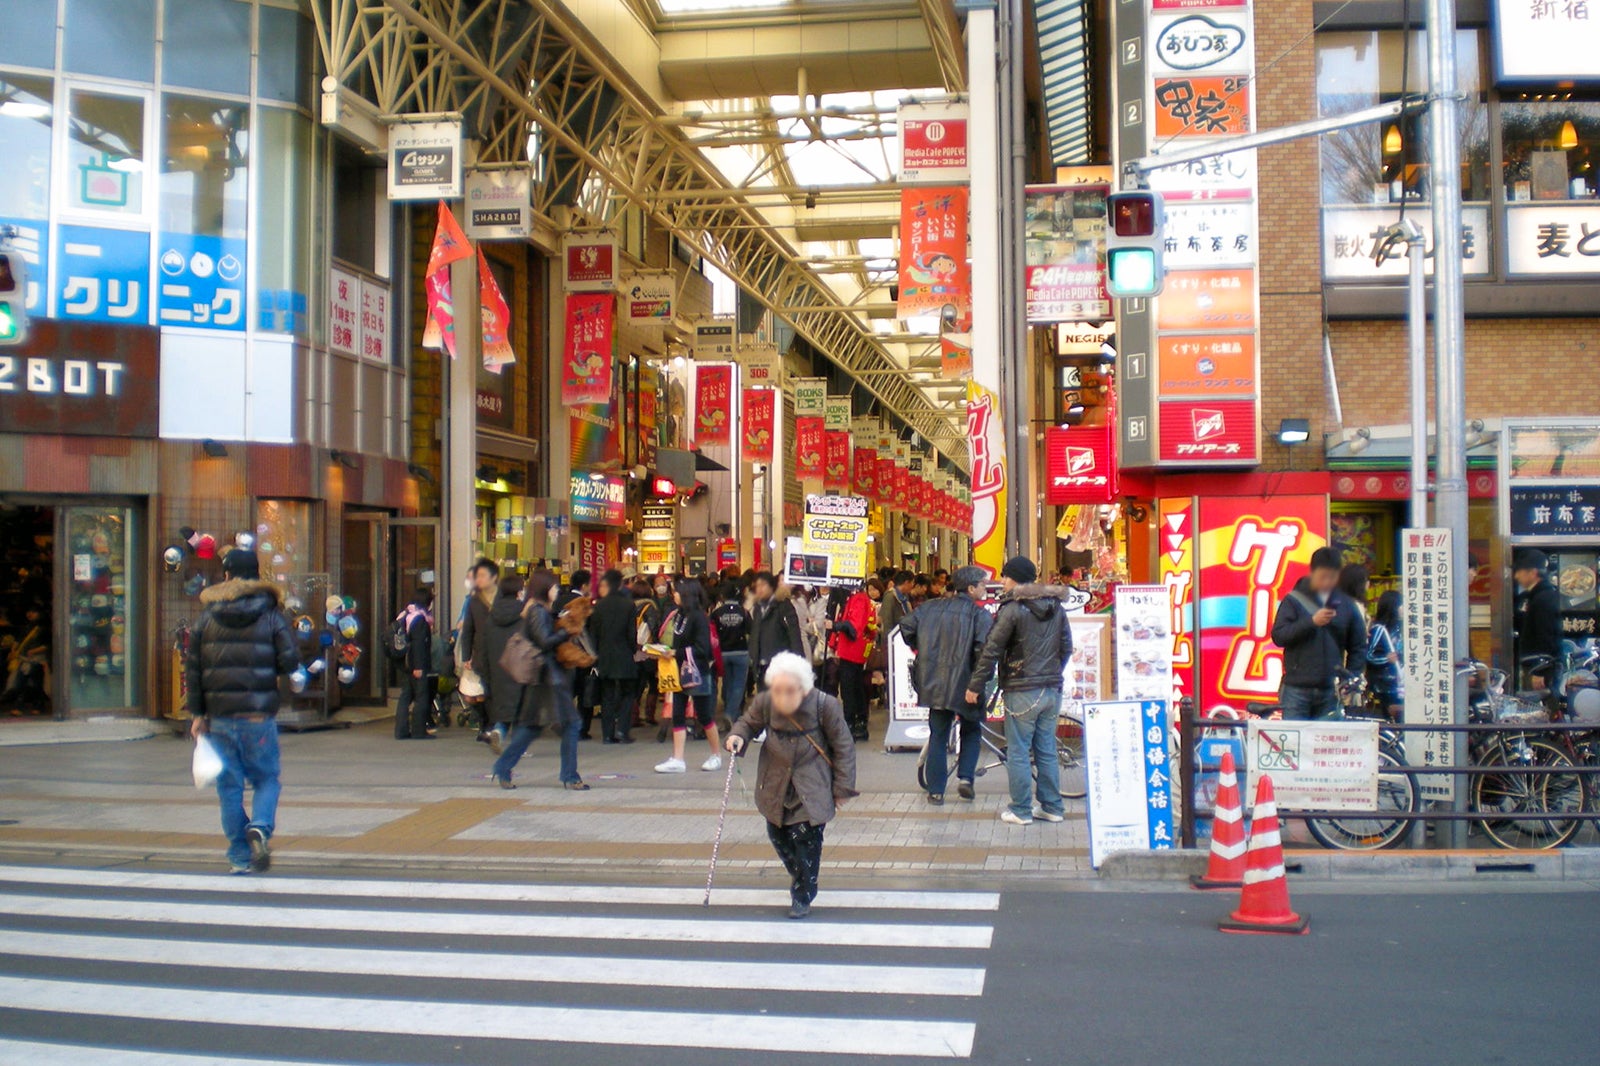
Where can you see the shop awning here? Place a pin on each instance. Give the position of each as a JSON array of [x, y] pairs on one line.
[[1064, 60]]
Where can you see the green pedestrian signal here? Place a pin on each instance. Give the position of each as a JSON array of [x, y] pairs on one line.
[[1133, 244], [13, 298]]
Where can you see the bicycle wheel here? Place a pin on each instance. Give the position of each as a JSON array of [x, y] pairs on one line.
[[1074, 769], [1510, 792], [1397, 791]]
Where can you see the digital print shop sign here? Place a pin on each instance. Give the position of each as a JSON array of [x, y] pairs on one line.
[[599, 500]]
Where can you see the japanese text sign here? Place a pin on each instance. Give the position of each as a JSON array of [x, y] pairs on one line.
[[586, 361], [1429, 659], [1129, 777], [713, 403], [759, 412], [934, 276], [933, 143], [1315, 766], [837, 526], [810, 443]]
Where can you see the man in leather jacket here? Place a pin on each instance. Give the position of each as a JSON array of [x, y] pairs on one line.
[[948, 634], [1031, 642]]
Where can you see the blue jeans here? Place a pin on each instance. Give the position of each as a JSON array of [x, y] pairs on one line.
[[570, 722], [938, 771], [1309, 703], [1031, 746], [249, 752], [511, 753], [735, 676]]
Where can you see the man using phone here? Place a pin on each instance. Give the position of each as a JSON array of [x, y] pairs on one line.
[[1320, 631]]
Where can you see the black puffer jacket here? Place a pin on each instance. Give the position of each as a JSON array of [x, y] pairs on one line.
[[948, 635], [1031, 640], [237, 650]]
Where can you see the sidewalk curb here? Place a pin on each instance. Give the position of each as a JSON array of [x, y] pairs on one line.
[[1480, 866]]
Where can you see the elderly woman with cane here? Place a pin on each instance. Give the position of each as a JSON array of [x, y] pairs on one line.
[[807, 768]]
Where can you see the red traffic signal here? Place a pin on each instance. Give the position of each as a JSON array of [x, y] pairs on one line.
[[1135, 214], [663, 486]]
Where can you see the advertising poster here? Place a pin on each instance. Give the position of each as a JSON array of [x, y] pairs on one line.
[[586, 360], [594, 551], [1129, 776], [1065, 253], [1144, 642], [809, 444], [1251, 552], [425, 161], [836, 459], [884, 482], [499, 204], [1315, 766], [713, 404], [865, 475], [599, 500], [760, 409], [837, 526], [1175, 542], [955, 355], [933, 143], [1429, 666], [987, 449], [934, 276]]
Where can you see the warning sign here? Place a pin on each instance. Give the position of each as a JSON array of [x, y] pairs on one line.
[[1316, 766]]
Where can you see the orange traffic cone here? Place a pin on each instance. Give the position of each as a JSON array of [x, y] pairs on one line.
[[1264, 902], [1225, 869]]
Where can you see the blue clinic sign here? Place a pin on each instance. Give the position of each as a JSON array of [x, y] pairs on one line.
[[102, 275], [1130, 777], [201, 281]]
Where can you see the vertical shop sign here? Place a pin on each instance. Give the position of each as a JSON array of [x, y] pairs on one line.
[[586, 360], [425, 160], [865, 479], [760, 362], [810, 442], [934, 276], [933, 143], [713, 404], [594, 551], [760, 410], [714, 341], [374, 321], [1129, 777], [1144, 642], [589, 263], [495, 318], [811, 398], [1175, 542], [344, 312], [1064, 253], [1429, 654], [1251, 553], [987, 448]]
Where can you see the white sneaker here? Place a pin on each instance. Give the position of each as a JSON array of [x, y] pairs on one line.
[[1010, 818], [671, 766], [1048, 817], [713, 763]]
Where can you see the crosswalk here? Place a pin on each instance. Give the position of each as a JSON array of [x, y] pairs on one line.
[[129, 968]]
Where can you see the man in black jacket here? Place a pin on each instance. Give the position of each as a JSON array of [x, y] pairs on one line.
[[774, 627], [1321, 634], [948, 634], [1030, 643], [1537, 610], [417, 688], [237, 649], [614, 626]]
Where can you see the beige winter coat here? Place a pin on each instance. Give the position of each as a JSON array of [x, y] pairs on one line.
[[789, 757]]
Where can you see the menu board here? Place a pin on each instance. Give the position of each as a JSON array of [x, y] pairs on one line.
[[1085, 677], [1144, 642], [1574, 574]]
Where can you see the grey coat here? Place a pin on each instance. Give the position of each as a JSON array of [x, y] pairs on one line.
[[789, 757]]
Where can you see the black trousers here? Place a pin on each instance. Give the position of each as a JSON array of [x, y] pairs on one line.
[[411, 713], [799, 848], [616, 707], [853, 694]]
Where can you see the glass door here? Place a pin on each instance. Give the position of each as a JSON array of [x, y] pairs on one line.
[[103, 614]]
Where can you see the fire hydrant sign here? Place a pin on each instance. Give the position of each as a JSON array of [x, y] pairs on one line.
[[1315, 766], [1130, 777]]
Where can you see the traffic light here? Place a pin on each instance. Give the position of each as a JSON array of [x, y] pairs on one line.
[[1133, 244], [13, 298], [663, 487]]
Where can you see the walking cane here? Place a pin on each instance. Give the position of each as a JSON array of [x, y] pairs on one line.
[[722, 817]]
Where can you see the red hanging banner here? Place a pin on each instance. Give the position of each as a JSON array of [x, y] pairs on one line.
[[759, 412], [866, 472], [836, 460], [713, 403], [902, 486], [885, 480], [495, 318], [586, 364], [809, 444], [934, 277], [449, 245]]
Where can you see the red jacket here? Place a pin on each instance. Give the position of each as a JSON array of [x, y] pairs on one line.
[[860, 612]]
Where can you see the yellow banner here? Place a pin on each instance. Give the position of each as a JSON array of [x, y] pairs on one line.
[[986, 444]]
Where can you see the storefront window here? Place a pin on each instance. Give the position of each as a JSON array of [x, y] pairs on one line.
[[103, 630], [112, 38], [283, 539], [206, 45], [1551, 143], [25, 121], [106, 155], [204, 183], [1381, 162], [283, 241]]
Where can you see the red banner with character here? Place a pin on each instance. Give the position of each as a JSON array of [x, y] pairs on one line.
[[836, 460], [759, 412], [809, 444], [713, 403], [586, 362]]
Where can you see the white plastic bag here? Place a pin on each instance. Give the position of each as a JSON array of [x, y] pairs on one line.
[[207, 763]]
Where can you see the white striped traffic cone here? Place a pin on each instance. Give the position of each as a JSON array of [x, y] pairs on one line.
[[1225, 868], [1264, 901]]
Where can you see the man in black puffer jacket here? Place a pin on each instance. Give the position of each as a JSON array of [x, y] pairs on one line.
[[948, 635], [1031, 642], [237, 650]]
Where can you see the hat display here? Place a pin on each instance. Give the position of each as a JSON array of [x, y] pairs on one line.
[[348, 626], [206, 546]]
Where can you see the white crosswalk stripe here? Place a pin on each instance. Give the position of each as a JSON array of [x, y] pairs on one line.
[[99, 946]]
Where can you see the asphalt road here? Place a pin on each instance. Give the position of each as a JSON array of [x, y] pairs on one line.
[[129, 968]]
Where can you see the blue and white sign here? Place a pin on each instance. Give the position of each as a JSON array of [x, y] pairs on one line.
[[201, 281], [32, 239], [1130, 777], [282, 311], [102, 275]]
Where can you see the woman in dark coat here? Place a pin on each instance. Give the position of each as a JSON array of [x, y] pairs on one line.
[[807, 768], [502, 694], [691, 635], [538, 698]]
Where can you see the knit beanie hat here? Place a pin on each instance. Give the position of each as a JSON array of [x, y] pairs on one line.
[[1020, 568]]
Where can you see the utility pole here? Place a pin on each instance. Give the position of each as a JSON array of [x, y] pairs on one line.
[[1449, 354], [1015, 377]]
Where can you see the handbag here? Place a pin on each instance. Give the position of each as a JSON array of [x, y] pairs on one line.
[[577, 653], [690, 677], [521, 660], [667, 676]]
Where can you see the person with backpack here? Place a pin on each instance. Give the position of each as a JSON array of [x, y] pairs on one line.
[[615, 630], [851, 638], [411, 647], [691, 644], [731, 623], [1320, 631], [539, 696]]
